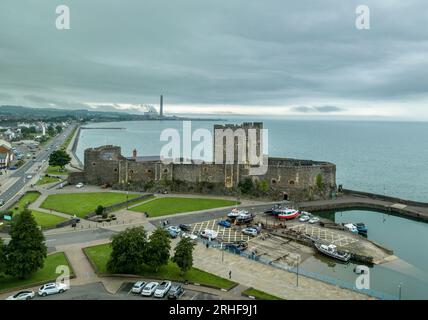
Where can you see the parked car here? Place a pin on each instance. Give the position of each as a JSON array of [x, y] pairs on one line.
[[174, 228], [79, 185], [1, 202], [314, 220], [138, 286], [149, 289], [191, 236], [224, 223], [209, 234], [22, 295], [185, 227], [52, 288], [176, 291], [162, 289], [304, 218], [249, 231], [29, 176]]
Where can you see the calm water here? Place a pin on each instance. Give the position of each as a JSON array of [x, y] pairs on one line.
[[381, 157], [406, 237]]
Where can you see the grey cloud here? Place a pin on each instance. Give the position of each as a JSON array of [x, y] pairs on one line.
[[271, 52], [319, 109]]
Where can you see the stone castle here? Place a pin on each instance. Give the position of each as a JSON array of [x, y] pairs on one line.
[[284, 178]]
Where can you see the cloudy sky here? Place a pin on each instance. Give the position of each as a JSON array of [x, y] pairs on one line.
[[271, 57]]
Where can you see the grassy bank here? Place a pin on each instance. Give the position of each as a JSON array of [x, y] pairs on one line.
[[83, 203], [46, 180], [46, 274], [44, 220], [172, 205], [55, 170], [100, 254], [260, 294]]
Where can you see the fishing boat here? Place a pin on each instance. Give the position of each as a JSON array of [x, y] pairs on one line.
[[288, 214], [331, 251], [235, 212], [361, 227], [244, 217]]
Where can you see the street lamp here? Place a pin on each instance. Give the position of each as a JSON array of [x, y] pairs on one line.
[[399, 291], [297, 275]]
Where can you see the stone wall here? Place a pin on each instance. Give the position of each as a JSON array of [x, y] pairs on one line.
[[297, 178]]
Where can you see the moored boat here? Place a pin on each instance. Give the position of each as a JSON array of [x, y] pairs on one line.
[[288, 214], [361, 227], [331, 251]]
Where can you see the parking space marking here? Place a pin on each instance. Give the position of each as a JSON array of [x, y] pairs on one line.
[[325, 235], [224, 234]]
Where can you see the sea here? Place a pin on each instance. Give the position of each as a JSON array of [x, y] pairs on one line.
[[383, 157]]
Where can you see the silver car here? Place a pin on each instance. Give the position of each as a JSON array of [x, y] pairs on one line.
[[22, 295]]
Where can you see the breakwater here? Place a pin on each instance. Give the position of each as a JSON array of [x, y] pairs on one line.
[[351, 199]]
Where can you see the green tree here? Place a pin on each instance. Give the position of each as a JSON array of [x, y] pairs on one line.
[[158, 249], [51, 131], [26, 251], [59, 158], [246, 186], [183, 254], [100, 210], [129, 249], [318, 181], [58, 129], [2, 257]]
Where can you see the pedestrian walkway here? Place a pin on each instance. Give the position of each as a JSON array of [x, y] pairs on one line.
[[266, 278]]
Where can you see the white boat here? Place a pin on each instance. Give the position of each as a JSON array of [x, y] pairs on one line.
[[236, 212], [351, 227], [331, 251]]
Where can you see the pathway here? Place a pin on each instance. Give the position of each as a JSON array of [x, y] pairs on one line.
[[268, 279]]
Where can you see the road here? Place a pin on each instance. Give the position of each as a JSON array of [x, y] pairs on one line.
[[30, 167]]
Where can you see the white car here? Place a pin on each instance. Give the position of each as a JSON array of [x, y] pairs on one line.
[[22, 295], [314, 220], [351, 227], [304, 218], [249, 231], [79, 185], [191, 236], [209, 234], [149, 289], [138, 286], [162, 289], [52, 288], [29, 176]]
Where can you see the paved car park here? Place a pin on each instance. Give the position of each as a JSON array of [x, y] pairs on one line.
[[125, 292], [325, 234], [96, 291], [232, 234]]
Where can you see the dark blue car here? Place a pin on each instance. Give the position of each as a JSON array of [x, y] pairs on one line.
[[224, 223]]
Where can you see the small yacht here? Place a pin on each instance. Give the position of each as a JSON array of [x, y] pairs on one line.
[[288, 214], [351, 227], [235, 212]]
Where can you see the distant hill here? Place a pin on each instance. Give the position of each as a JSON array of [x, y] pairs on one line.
[[19, 113]]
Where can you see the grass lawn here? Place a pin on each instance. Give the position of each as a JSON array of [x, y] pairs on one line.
[[46, 180], [46, 274], [100, 254], [83, 203], [171, 205], [260, 294], [55, 170], [45, 220]]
